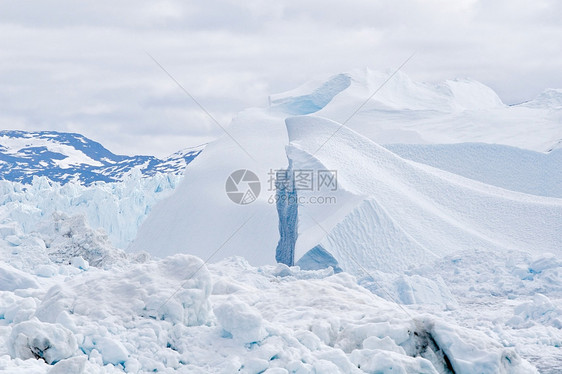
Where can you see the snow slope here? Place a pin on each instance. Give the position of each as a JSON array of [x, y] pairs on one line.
[[258, 143], [220, 225], [515, 169], [410, 214]]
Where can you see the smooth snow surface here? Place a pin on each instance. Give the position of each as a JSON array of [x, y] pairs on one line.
[[411, 214], [200, 218], [514, 169]]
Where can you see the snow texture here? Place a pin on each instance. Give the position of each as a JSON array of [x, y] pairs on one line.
[[179, 315]]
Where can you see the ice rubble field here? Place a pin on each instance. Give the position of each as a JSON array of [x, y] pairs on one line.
[[143, 316], [465, 275], [117, 208]]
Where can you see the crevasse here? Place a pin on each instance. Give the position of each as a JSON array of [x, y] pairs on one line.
[[287, 209]]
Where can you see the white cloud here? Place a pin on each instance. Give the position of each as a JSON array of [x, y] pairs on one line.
[[81, 66]]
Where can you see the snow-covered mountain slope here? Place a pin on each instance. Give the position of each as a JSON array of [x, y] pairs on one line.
[[550, 99], [455, 111], [409, 214], [65, 157]]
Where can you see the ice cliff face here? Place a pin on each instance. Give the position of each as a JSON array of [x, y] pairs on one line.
[[287, 209], [118, 208]]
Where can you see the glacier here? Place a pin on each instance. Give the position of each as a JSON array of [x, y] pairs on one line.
[[424, 259], [263, 135], [118, 208], [411, 214]]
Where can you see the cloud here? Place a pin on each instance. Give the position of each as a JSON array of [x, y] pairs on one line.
[[81, 66]]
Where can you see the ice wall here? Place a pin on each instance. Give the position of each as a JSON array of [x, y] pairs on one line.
[[287, 208]]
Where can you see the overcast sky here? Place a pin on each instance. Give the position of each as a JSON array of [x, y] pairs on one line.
[[81, 66]]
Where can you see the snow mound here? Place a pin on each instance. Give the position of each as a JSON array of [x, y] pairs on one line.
[[410, 214], [12, 279], [342, 93], [310, 98], [240, 321], [454, 111], [471, 352], [548, 99], [62, 239], [221, 228], [69, 238], [540, 310]]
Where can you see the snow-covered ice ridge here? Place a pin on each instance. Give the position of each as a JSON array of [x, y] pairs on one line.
[[65, 157], [263, 134], [406, 111], [511, 168]]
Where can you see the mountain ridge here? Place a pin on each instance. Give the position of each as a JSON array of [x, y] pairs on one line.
[[64, 157]]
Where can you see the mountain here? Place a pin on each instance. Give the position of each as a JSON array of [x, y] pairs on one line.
[[65, 157]]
